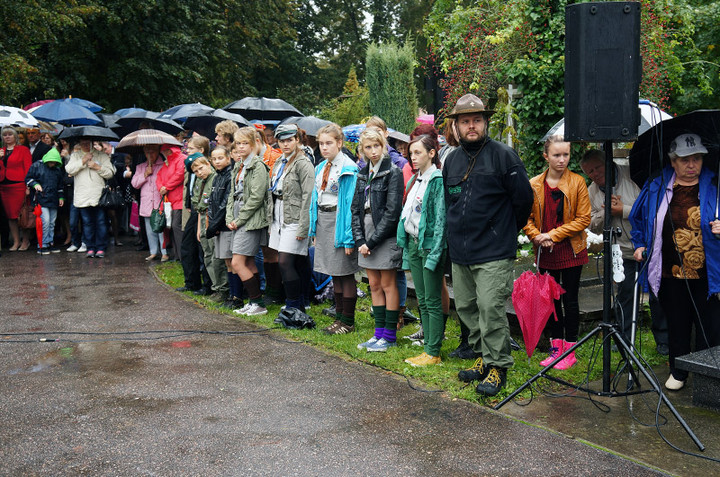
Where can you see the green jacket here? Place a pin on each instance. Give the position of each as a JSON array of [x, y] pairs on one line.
[[432, 234], [298, 187], [256, 211], [201, 192]]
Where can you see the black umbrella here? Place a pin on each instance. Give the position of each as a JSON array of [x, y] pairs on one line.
[[146, 120], [109, 120], [310, 124], [181, 112], [649, 153], [204, 123], [263, 109], [94, 133]]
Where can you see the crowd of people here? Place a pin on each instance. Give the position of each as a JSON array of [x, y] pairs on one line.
[[256, 211]]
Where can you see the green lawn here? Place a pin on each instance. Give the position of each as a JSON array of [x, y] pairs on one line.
[[443, 377]]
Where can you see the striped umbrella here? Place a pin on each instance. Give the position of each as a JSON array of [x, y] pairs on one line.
[[147, 137]]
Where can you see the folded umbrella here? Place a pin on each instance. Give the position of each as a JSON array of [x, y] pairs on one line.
[[533, 298], [37, 212]]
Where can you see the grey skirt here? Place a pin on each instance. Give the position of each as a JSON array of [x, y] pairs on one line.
[[385, 256], [223, 244], [248, 242], [328, 259]]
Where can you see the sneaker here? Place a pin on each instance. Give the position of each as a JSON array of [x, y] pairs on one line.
[[674, 384], [255, 310], [381, 346], [90, 254], [73, 248], [417, 336], [99, 254], [242, 310], [464, 351], [493, 382], [339, 328], [477, 372], [44, 251], [82, 249], [54, 249], [367, 343], [217, 297], [424, 360]]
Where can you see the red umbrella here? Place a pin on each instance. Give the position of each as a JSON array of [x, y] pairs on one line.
[[37, 104], [533, 298], [37, 212]]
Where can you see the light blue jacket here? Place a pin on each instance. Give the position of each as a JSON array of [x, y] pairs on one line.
[[343, 224]]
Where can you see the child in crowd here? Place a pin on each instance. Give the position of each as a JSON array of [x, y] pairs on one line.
[[205, 174], [421, 233], [46, 178], [291, 187], [331, 225], [376, 209], [248, 215], [217, 228], [556, 227]]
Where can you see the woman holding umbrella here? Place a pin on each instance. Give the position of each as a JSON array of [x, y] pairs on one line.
[[16, 161], [675, 227], [90, 169], [145, 180]]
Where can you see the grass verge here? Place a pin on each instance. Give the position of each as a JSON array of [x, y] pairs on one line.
[[443, 377]]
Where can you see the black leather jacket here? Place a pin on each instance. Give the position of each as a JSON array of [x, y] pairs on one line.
[[217, 201], [386, 193]]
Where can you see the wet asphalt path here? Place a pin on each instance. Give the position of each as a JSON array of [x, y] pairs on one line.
[[250, 404]]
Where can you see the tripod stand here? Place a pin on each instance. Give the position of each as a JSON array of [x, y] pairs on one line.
[[609, 330]]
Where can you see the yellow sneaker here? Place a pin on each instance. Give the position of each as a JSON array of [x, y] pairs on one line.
[[424, 360]]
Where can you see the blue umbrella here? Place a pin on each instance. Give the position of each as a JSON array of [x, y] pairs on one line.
[[352, 132], [86, 104], [66, 112], [183, 111], [126, 111]]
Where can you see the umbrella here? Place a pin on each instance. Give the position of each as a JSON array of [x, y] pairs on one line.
[[37, 104], [353, 131], [66, 112], [10, 116], [95, 133], [532, 298], [125, 111], [147, 137], [37, 212], [650, 115], [133, 121], [46, 127], [263, 108], [398, 136], [310, 124], [109, 120], [182, 111], [426, 119], [649, 153], [204, 122], [86, 104]]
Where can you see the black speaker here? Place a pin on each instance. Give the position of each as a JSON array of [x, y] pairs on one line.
[[602, 71]]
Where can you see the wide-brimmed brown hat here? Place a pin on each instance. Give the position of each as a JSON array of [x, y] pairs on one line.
[[469, 104]]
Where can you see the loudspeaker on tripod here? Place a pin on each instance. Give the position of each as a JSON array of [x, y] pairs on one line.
[[603, 70]]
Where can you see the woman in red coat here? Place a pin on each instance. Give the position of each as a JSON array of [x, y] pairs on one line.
[[170, 180], [16, 160]]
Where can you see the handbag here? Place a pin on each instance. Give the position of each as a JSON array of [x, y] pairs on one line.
[[157, 220], [26, 218], [111, 198]]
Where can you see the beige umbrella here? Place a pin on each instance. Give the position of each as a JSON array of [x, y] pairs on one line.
[[147, 137]]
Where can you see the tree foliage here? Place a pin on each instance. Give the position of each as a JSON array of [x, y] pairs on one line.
[[391, 84]]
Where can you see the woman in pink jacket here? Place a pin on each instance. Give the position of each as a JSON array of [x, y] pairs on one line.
[[145, 179], [170, 181]]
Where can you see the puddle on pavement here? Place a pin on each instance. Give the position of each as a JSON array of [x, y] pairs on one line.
[[107, 356]]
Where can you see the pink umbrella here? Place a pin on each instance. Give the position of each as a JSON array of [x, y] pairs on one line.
[[426, 119], [533, 298], [37, 103]]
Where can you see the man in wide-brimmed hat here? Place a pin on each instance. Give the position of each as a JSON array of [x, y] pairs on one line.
[[488, 198]]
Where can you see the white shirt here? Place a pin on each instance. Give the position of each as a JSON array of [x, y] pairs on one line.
[[329, 197], [414, 202]]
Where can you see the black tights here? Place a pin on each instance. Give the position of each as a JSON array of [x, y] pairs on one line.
[[295, 272], [568, 323]]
